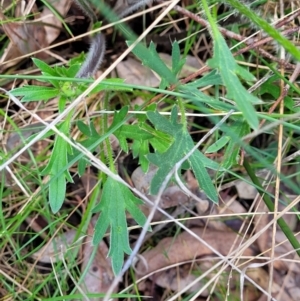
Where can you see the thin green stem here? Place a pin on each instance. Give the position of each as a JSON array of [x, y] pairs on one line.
[[267, 200]]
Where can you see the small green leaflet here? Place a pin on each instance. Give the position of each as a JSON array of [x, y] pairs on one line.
[[45, 68], [58, 163], [177, 63], [115, 200], [220, 143], [224, 61], [181, 145], [231, 156]]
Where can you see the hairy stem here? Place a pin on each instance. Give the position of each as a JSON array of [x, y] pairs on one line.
[[96, 52], [94, 58]]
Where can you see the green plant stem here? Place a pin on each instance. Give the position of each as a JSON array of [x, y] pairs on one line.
[[267, 200], [264, 25]]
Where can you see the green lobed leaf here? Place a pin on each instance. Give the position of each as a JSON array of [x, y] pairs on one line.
[[224, 61], [57, 184], [133, 131], [58, 162], [141, 149], [115, 199], [182, 144], [152, 60]]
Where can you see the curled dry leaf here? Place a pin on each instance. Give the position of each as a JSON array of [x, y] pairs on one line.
[[56, 249], [261, 277], [292, 287], [53, 28], [176, 279], [99, 275], [135, 73], [14, 141], [283, 247], [172, 196], [231, 208], [245, 190], [184, 247], [25, 38]]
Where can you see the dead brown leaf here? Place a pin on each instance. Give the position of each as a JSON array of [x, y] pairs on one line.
[[184, 247], [25, 37], [54, 25], [135, 73], [99, 275], [56, 249]]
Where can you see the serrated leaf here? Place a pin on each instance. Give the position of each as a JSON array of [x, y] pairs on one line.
[[141, 149], [123, 144], [224, 61], [152, 60], [203, 177], [45, 68], [177, 63], [101, 227], [35, 93], [116, 198], [58, 163], [88, 130], [84, 129], [139, 137], [119, 116], [93, 141], [163, 124]]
